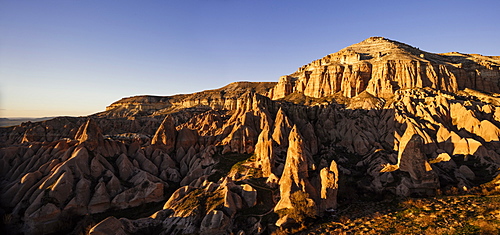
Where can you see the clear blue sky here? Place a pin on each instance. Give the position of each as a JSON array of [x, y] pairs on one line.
[[72, 57]]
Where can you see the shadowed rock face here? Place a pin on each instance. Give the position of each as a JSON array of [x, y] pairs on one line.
[[377, 118]]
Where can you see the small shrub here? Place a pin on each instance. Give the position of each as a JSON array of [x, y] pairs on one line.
[[413, 203], [467, 229], [486, 228], [7, 219], [302, 209], [344, 219]]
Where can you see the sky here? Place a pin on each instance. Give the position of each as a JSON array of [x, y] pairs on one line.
[[74, 58]]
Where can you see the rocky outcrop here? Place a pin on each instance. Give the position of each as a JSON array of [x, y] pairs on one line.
[[376, 119], [222, 98], [381, 66], [295, 189], [166, 134], [296, 173], [329, 177], [422, 179], [89, 132]]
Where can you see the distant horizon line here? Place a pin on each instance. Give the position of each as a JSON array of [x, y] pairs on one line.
[[37, 117]]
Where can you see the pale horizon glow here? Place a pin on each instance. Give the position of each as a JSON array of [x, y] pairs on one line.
[[74, 58]]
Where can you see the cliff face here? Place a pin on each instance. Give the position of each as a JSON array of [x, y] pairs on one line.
[[222, 98], [374, 119], [381, 66]]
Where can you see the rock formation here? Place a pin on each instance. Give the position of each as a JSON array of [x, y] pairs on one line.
[[376, 118], [382, 66], [166, 134]]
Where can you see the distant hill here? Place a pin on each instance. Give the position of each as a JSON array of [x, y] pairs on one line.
[[17, 121]]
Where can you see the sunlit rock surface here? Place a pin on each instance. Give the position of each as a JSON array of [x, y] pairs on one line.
[[376, 118]]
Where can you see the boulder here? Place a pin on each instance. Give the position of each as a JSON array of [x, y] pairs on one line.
[[215, 222], [249, 195]]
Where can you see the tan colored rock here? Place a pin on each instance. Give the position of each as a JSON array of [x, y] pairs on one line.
[[91, 133], [186, 138], [442, 157], [371, 100], [295, 174], [283, 88], [166, 134], [466, 146], [410, 155], [272, 181], [171, 174], [310, 135], [166, 162], [443, 134], [264, 151], [133, 148], [177, 195], [79, 161], [282, 128], [488, 131], [365, 100], [411, 159], [26, 183], [142, 176], [329, 187], [381, 66], [242, 139]]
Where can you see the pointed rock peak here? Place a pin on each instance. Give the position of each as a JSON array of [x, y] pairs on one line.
[[166, 133], [89, 131], [365, 95], [297, 150], [168, 121], [407, 136], [167, 125], [282, 128], [365, 100], [280, 115], [295, 135]]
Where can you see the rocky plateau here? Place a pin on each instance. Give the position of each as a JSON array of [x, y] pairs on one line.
[[379, 119]]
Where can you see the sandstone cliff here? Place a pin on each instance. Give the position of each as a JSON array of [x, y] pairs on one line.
[[378, 118], [381, 66]]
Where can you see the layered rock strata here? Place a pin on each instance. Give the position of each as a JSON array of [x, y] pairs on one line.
[[381, 66], [377, 118]]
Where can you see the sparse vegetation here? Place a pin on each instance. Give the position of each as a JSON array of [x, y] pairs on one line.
[[202, 200], [303, 208], [453, 215], [225, 163]]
